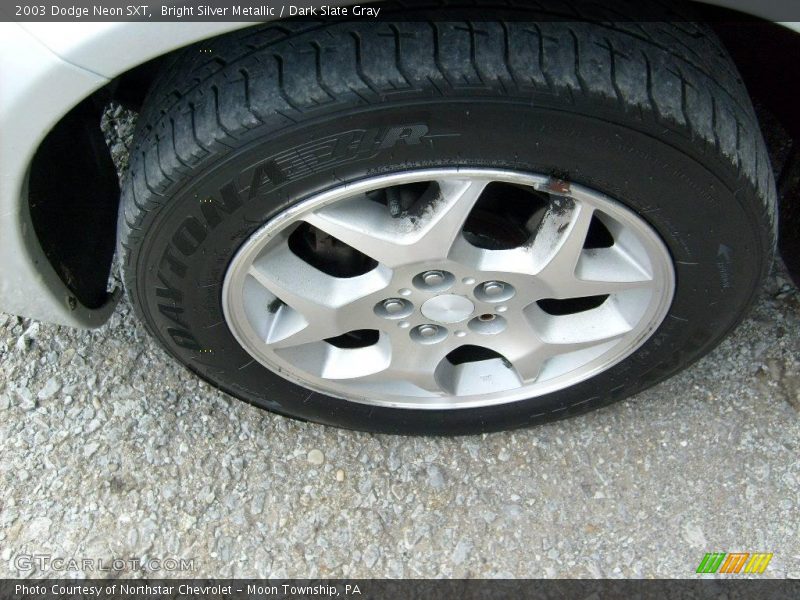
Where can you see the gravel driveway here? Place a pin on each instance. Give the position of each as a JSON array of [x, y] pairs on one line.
[[111, 450]]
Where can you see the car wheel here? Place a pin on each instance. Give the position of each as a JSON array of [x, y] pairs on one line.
[[445, 228]]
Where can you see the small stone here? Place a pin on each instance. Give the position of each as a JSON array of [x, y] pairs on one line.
[[24, 475], [435, 477], [694, 535], [316, 457], [257, 504], [26, 400], [38, 529], [371, 555], [26, 339], [67, 356], [5, 401], [49, 389], [461, 552], [90, 449], [6, 555], [339, 475]]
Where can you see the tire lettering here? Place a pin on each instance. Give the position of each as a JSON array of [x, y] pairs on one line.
[[168, 291], [189, 236], [175, 266], [410, 135], [173, 313], [355, 143], [263, 174], [211, 207], [183, 339], [330, 152]]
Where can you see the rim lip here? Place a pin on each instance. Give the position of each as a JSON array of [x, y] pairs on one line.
[[663, 288]]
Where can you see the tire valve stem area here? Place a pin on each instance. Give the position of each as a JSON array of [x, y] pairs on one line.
[[558, 185]]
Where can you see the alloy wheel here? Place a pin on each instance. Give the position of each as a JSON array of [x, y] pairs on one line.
[[448, 288]]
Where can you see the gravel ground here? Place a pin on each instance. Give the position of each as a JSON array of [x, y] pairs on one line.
[[111, 450]]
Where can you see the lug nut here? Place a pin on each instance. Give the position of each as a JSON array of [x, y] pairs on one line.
[[428, 331], [393, 306], [494, 291], [428, 334], [433, 278], [493, 288]]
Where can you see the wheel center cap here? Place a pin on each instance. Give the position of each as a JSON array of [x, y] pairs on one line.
[[448, 308]]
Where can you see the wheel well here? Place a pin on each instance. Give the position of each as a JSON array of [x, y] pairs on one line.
[[73, 196], [74, 190]]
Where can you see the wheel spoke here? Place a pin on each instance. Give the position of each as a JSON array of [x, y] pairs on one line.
[[517, 260], [521, 346], [410, 366], [578, 330], [530, 363], [559, 241], [426, 234], [324, 321], [328, 305], [557, 336], [573, 272], [312, 333], [458, 198], [583, 288], [418, 369], [529, 342], [330, 362]]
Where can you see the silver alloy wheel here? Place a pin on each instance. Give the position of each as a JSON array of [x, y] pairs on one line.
[[435, 318]]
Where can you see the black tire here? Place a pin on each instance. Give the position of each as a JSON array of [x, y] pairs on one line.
[[654, 115]]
